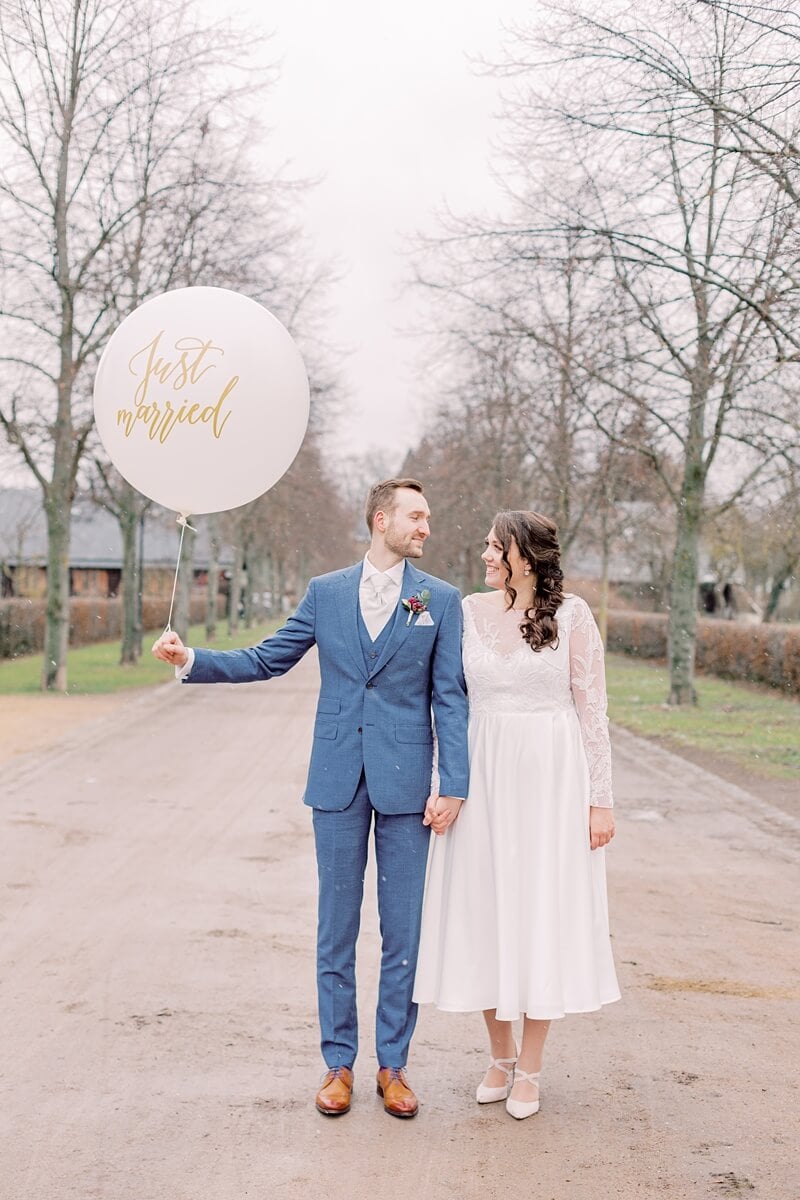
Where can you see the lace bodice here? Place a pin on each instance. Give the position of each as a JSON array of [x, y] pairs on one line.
[[505, 676]]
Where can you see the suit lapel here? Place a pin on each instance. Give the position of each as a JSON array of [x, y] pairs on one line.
[[413, 580], [348, 615]]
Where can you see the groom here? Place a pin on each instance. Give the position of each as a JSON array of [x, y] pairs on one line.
[[389, 644]]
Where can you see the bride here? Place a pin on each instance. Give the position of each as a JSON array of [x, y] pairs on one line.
[[515, 919]]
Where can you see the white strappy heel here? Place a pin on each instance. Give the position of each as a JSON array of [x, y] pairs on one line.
[[490, 1095], [524, 1108]]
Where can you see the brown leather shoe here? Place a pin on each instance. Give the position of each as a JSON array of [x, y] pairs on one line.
[[398, 1098], [333, 1097]]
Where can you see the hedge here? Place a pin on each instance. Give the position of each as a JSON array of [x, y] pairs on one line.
[[92, 619], [767, 654], [757, 653]]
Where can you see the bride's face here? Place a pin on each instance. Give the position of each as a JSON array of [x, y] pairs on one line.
[[496, 571]]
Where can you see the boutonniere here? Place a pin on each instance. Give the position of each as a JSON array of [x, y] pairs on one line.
[[416, 604]]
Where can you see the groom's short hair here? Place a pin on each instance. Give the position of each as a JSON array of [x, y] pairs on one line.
[[381, 496]]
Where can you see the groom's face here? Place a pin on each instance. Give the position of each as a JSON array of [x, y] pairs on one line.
[[406, 525]]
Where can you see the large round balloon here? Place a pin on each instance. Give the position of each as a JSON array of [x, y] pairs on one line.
[[201, 399]]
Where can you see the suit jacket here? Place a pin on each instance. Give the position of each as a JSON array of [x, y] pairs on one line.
[[376, 718]]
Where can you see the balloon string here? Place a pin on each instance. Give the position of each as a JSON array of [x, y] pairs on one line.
[[184, 524]]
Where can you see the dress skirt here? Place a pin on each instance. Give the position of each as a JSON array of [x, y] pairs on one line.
[[515, 915]]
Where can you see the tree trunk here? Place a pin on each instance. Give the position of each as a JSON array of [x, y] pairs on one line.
[[255, 586], [60, 491], [682, 628], [182, 612], [54, 669], [280, 584], [236, 587], [248, 592], [779, 581], [269, 584], [212, 586], [131, 649]]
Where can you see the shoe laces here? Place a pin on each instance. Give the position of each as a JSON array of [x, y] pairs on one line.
[[396, 1073], [335, 1073]]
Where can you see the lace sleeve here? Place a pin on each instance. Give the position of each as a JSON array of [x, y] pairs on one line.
[[588, 683]]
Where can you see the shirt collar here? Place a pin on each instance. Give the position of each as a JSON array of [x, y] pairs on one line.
[[394, 573]]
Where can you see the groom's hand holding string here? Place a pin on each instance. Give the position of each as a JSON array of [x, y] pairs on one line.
[[170, 649], [441, 812]]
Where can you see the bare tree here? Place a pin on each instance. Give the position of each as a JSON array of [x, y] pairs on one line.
[[704, 253], [302, 526], [212, 581], [765, 133], [693, 254], [626, 495], [129, 507], [783, 546], [104, 112], [472, 458], [760, 541]]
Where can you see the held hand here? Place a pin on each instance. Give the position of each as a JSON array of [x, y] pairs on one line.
[[430, 808], [441, 812], [170, 649], [601, 827]]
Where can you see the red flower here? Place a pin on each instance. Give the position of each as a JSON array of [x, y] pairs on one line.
[[416, 604]]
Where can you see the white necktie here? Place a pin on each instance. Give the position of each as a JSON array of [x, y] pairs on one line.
[[375, 607]]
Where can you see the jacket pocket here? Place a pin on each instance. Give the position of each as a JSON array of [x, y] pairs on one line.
[[327, 705], [413, 733], [326, 729]]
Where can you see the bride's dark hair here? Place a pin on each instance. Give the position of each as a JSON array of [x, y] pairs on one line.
[[537, 541]]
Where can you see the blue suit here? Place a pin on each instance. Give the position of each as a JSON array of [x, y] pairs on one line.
[[371, 759]]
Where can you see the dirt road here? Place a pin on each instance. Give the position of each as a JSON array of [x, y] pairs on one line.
[[158, 1019]]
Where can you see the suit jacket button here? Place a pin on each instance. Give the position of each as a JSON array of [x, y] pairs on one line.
[[369, 685], [359, 729]]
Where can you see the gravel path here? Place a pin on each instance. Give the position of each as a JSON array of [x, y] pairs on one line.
[[158, 1010]]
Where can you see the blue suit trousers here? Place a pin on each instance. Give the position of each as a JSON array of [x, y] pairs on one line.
[[401, 851]]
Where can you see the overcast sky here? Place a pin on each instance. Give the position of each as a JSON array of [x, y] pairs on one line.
[[381, 101]]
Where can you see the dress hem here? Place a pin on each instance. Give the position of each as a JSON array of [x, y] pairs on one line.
[[532, 1016]]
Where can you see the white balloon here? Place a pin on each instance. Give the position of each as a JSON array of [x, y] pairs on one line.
[[201, 399]]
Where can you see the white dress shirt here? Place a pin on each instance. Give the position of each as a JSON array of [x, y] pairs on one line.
[[379, 595], [182, 672]]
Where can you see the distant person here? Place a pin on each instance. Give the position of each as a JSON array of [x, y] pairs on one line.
[[515, 921], [389, 642], [729, 602], [708, 598]]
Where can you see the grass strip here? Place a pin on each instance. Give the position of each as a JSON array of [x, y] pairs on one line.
[[752, 727], [95, 669]]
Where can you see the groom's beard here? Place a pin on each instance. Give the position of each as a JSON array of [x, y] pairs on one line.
[[408, 547]]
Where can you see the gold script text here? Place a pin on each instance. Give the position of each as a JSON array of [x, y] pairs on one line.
[[190, 365]]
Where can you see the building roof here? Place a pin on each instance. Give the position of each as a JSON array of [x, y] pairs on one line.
[[96, 538]]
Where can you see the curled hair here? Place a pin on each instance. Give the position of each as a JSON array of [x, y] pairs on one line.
[[537, 541]]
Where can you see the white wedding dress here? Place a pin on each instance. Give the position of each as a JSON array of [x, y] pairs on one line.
[[515, 916]]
